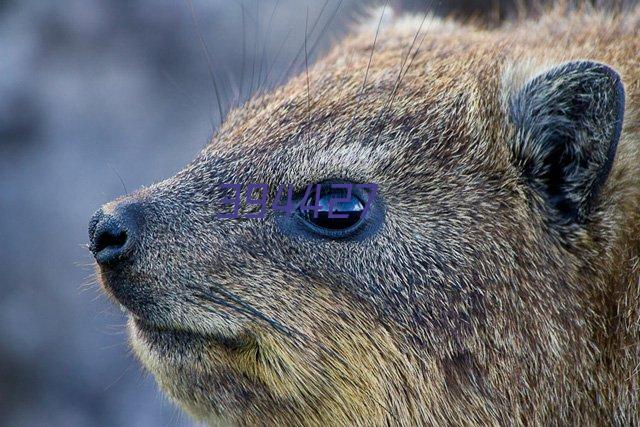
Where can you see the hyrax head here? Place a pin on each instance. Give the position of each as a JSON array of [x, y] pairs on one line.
[[458, 294]]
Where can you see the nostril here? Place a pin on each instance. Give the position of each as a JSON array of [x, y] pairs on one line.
[[110, 239]]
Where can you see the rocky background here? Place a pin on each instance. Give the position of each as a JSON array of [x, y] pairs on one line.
[[99, 97]]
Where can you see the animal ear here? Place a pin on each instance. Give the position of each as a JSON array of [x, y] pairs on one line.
[[568, 122]]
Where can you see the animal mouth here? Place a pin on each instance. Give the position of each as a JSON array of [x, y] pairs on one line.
[[154, 334], [225, 318], [225, 298]]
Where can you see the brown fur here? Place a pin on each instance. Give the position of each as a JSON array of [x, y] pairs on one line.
[[467, 306]]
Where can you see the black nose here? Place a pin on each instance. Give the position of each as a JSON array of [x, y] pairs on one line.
[[113, 236]]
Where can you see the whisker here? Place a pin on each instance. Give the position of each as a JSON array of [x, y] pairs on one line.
[[325, 27], [256, 45], [294, 63], [366, 74], [275, 58], [306, 65], [203, 43], [224, 303], [401, 74], [373, 48], [124, 372], [242, 307], [263, 61], [245, 14], [119, 177], [244, 52], [404, 61], [255, 311]]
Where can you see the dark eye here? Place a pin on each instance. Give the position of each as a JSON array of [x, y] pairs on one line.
[[338, 208]]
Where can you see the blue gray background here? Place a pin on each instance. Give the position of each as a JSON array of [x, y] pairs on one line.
[[96, 96]]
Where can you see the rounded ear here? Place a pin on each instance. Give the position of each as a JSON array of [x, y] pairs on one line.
[[568, 122]]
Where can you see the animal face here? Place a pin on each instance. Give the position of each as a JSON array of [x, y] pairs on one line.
[[460, 281]]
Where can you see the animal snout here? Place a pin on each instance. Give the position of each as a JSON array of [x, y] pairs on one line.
[[113, 236]]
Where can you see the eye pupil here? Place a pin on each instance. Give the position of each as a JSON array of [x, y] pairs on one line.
[[345, 213]]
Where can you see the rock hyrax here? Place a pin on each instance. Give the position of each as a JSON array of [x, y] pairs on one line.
[[493, 280]]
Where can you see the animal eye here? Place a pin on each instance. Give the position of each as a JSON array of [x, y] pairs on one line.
[[332, 208]]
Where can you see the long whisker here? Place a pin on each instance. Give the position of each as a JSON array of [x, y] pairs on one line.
[[401, 72], [119, 177], [415, 53], [203, 43], [256, 46], [214, 299], [366, 74], [404, 60], [235, 298], [306, 65], [243, 307], [275, 57], [294, 63], [373, 48], [263, 60], [246, 14], [325, 27], [244, 53]]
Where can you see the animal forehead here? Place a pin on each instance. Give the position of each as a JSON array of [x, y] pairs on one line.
[[381, 120], [295, 163], [336, 123], [337, 96], [356, 157]]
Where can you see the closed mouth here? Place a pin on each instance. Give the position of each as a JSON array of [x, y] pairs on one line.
[[154, 324], [155, 334]]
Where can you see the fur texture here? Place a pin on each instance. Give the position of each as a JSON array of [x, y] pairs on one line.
[[469, 304]]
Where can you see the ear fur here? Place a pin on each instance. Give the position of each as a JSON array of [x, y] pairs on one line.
[[568, 122]]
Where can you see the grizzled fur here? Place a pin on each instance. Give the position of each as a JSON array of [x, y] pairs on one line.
[[477, 299]]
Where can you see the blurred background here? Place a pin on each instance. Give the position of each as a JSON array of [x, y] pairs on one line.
[[97, 98]]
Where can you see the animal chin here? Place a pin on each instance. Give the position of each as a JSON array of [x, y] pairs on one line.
[[219, 370]]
